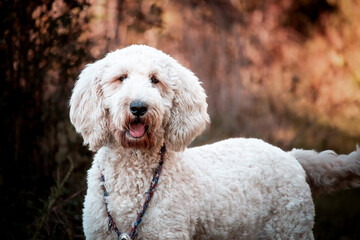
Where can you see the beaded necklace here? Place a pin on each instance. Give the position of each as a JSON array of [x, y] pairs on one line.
[[150, 192]]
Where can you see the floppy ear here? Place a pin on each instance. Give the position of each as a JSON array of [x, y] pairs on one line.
[[87, 113], [188, 115]]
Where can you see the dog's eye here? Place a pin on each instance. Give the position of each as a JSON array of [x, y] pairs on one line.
[[154, 80], [122, 77]]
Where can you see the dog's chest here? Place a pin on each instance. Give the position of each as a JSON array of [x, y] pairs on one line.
[[127, 191]]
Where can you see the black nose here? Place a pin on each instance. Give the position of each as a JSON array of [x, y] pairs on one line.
[[138, 108]]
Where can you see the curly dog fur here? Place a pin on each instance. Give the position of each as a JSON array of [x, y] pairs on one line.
[[127, 105]]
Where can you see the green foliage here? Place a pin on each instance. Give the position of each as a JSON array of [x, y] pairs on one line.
[[42, 53], [55, 193]]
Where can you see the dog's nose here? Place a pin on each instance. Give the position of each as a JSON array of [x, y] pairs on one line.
[[138, 108]]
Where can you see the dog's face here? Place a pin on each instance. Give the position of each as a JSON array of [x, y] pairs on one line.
[[138, 97], [138, 92]]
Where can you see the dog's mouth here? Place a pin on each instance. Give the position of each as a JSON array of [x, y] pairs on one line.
[[137, 129]]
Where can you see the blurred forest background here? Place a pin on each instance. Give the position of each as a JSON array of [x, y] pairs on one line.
[[286, 71]]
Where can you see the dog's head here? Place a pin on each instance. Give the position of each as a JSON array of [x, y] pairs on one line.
[[138, 97]]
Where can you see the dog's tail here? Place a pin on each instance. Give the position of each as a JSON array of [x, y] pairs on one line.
[[326, 171]]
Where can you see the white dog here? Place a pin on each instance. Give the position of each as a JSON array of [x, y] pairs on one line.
[[138, 102]]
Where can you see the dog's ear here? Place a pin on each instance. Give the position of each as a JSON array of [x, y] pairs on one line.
[[87, 113], [188, 117]]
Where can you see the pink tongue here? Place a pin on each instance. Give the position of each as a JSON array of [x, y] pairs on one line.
[[137, 129]]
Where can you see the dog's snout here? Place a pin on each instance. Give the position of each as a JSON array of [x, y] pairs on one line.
[[138, 108]]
